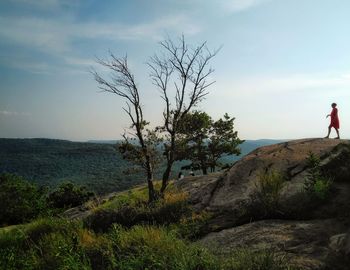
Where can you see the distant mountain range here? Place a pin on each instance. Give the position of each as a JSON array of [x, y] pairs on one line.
[[246, 147], [96, 164]]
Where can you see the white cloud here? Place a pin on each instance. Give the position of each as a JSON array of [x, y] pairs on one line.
[[45, 4], [14, 113], [45, 35], [57, 35], [240, 5], [255, 86], [226, 6], [82, 62]]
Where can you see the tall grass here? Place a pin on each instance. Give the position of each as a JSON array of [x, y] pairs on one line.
[[148, 247], [132, 208], [245, 259], [58, 244], [134, 235], [42, 244]]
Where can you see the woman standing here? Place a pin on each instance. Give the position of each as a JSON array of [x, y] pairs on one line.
[[334, 121]]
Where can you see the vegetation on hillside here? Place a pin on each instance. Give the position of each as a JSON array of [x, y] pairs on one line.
[[22, 201], [46, 162], [49, 162], [98, 166], [57, 243], [265, 202]]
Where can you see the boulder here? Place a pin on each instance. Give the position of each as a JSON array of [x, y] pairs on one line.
[[289, 158], [303, 243], [311, 234], [228, 195]]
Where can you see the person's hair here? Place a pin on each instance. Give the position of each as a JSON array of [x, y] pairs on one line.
[[334, 104]]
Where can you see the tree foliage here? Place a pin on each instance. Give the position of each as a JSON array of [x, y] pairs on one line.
[[21, 201], [69, 195], [204, 141], [223, 140]]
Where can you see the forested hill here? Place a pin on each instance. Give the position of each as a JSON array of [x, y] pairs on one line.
[[49, 162], [97, 164]]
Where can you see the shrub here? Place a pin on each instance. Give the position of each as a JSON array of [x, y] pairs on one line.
[[42, 244], [129, 210], [59, 251], [317, 185], [69, 195], [54, 244], [98, 249], [192, 226], [20, 200], [266, 198], [322, 188]]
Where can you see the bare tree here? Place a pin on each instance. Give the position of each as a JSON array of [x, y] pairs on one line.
[[185, 71], [122, 83]]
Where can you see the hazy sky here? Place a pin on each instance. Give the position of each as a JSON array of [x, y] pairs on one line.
[[282, 64]]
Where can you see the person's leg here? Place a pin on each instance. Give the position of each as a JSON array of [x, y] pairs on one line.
[[337, 134], [329, 132]]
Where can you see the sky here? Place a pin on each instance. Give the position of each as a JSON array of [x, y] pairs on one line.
[[281, 65]]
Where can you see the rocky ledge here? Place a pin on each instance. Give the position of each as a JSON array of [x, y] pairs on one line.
[[311, 235]]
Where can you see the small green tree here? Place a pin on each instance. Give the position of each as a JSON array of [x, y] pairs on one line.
[[204, 141], [20, 200], [316, 183], [193, 139], [223, 140]]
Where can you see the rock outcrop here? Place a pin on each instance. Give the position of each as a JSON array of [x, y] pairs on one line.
[[304, 243], [230, 191], [310, 235]]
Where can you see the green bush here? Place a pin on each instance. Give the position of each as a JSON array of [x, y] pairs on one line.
[[129, 210], [192, 227], [316, 184], [69, 195], [54, 244], [42, 244], [98, 249], [20, 200], [322, 188], [266, 198]]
